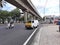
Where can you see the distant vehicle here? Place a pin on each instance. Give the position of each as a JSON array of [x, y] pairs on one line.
[[55, 21], [32, 24]]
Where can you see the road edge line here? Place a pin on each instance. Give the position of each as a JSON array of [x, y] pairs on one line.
[[30, 37]]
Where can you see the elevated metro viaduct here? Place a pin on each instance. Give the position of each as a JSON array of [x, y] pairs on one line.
[[27, 7]]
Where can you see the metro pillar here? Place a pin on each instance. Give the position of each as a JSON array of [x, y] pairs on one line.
[[25, 16]]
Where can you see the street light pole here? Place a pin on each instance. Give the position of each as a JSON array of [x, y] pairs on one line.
[[44, 8]]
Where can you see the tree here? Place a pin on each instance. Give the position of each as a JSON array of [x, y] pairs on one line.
[[3, 15], [15, 14]]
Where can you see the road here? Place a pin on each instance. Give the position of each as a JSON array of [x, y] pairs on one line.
[[16, 36]]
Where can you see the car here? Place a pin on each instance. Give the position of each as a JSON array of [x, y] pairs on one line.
[[32, 24]]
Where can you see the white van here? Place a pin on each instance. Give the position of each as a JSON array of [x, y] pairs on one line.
[[36, 23]]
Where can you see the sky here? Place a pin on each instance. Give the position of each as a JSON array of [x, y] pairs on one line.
[[44, 7], [47, 7], [8, 7]]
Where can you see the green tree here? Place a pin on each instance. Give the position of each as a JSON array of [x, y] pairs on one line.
[[15, 12], [3, 15]]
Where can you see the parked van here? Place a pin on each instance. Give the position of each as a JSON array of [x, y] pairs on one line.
[[32, 24]]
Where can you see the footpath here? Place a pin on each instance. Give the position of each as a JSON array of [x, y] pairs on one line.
[[47, 35]]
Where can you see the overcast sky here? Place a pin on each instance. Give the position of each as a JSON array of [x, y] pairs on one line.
[[51, 7]]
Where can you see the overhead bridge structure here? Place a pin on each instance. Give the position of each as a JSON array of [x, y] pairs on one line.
[[27, 7]]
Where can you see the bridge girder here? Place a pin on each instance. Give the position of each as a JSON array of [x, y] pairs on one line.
[[24, 5]]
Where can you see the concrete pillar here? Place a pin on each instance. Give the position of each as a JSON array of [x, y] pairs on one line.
[[25, 16], [28, 16], [45, 19], [37, 18], [31, 17], [34, 17]]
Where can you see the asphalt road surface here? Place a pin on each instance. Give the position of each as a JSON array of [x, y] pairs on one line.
[[16, 36]]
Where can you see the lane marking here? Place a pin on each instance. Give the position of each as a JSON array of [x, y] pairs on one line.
[[25, 43]]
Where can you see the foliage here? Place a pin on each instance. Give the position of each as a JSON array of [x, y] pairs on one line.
[[4, 14], [15, 14]]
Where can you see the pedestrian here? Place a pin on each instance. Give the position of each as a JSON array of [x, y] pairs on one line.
[[58, 23]]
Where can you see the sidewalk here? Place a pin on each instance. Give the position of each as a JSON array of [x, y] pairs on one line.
[[47, 35]]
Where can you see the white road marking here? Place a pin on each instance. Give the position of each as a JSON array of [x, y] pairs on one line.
[[30, 37]]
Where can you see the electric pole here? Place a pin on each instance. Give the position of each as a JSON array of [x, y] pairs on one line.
[[44, 8]]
